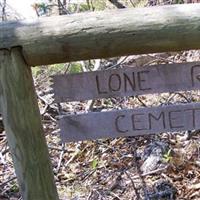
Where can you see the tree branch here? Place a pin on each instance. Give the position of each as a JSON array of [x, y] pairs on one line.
[[117, 4]]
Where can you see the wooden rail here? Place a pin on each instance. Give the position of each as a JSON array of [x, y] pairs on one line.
[[130, 122], [127, 81], [104, 34]]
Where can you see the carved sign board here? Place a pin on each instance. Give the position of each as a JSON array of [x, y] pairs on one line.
[[132, 122], [129, 81]]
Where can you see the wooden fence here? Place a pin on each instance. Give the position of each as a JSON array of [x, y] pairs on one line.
[[85, 36]]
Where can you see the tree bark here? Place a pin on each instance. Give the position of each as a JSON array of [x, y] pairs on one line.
[[23, 127]]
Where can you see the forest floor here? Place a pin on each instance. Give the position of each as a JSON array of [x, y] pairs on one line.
[[157, 166]]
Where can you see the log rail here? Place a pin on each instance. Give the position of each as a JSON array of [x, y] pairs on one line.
[[103, 34]]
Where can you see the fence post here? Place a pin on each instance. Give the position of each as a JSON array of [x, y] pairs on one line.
[[24, 129]]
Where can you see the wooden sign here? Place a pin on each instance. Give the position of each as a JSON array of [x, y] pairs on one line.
[[128, 81], [130, 122]]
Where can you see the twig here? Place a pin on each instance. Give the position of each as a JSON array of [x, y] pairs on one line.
[[4, 11], [84, 69], [88, 175], [141, 101], [133, 184], [45, 102], [117, 4], [2, 159], [97, 64], [132, 3], [90, 103], [60, 158], [52, 118], [161, 58], [68, 65], [170, 97], [55, 148], [115, 196], [183, 96], [5, 151], [78, 151], [9, 180], [149, 173], [3, 139], [154, 171], [118, 64], [152, 61], [90, 195], [139, 172], [62, 9], [90, 5]]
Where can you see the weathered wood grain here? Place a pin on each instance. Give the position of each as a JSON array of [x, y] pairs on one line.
[[23, 127], [104, 34], [129, 81], [132, 122]]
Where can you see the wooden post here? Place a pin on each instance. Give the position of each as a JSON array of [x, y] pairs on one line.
[[24, 129]]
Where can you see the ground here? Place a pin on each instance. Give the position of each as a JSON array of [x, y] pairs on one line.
[[159, 166]]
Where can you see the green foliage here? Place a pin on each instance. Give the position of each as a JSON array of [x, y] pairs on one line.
[[75, 68], [41, 8], [94, 163], [57, 68], [88, 5], [36, 71], [15, 188], [179, 2], [48, 70], [99, 4], [167, 156], [73, 8]]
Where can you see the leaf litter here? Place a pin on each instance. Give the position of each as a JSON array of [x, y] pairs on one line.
[[161, 166]]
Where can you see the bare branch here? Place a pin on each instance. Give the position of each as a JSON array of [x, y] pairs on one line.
[[117, 4]]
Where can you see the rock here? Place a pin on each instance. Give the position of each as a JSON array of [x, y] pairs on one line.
[[162, 190], [153, 156]]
